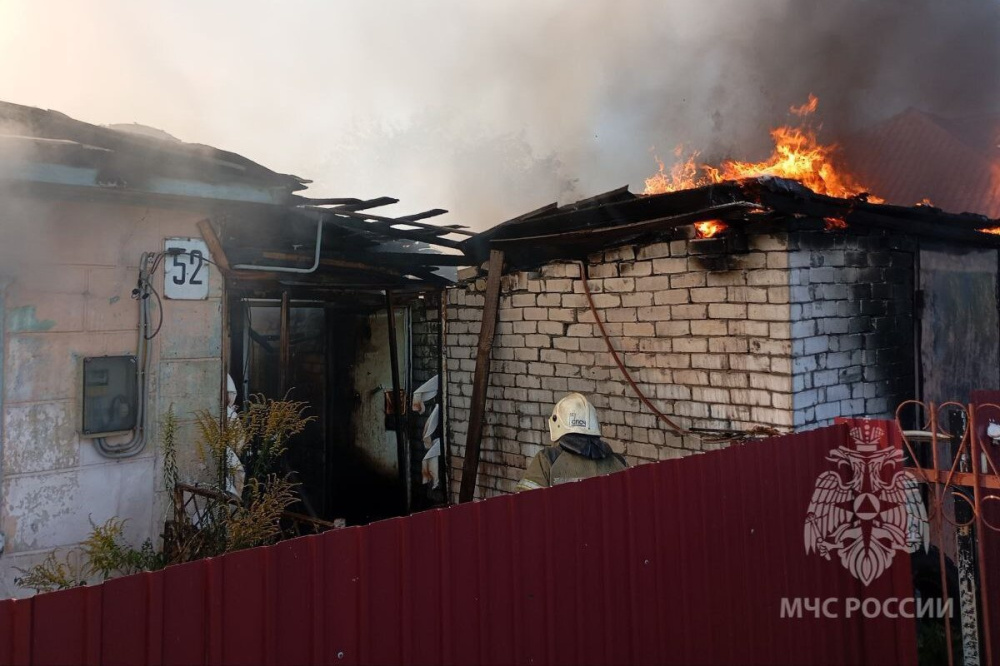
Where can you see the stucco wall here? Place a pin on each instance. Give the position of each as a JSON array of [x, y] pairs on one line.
[[69, 297]]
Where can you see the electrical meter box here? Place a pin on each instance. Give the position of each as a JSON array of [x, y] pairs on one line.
[[110, 395]]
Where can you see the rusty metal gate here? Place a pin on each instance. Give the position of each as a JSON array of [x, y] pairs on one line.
[[955, 454], [696, 560]]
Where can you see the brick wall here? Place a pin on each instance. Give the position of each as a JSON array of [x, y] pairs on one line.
[[707, 338], [852, 324]]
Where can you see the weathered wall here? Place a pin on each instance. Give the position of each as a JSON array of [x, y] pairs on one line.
[[852, 325], [70, 298], [706, 337]]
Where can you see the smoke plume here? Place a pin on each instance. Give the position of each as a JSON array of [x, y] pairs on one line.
[[492, 109]]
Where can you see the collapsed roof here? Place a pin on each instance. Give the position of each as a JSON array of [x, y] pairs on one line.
[[753, 205], [258, 218], [269, 232], [34, 141]]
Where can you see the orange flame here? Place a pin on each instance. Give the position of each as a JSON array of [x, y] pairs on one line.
[[835, 223], [710, 228], [925, 202], [797, 155], [807, 108], [992, 230]]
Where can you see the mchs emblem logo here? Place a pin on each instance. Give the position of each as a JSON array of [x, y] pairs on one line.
[[868, 509]]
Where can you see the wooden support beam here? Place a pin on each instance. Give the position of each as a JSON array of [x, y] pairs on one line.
[[211, 239], [481, 379], [402, 448], [377, 202], [396, 259], [370, 225], [284, 363], [444, 461]]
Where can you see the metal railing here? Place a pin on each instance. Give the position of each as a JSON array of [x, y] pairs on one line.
[[952, 453]]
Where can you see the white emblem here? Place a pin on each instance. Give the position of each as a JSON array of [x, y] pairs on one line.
[[862, 516]]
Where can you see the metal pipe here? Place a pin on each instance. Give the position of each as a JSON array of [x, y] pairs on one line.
[[980, 532], [288, 269], [941, 524], [135, 445]]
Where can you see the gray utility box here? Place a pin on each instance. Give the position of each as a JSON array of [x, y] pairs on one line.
[[110, 395]]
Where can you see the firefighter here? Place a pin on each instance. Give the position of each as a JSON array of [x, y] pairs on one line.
[[577, 450]]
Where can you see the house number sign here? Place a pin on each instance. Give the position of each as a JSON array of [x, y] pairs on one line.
[[185, 273]]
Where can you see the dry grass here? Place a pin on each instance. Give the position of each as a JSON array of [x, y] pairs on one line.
[[104, 554], [258, 521], [53, 573]]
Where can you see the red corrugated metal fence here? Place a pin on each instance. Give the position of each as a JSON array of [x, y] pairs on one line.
[[685, 561]]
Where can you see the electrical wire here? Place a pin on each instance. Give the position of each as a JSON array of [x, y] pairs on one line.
[[159, 308], [147, 264]]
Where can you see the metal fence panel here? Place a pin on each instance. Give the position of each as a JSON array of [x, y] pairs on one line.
[[684, 561]]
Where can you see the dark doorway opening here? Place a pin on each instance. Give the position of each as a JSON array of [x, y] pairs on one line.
[[335, 356]]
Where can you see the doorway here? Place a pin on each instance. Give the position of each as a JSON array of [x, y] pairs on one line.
[[959, 323], [334, 356]]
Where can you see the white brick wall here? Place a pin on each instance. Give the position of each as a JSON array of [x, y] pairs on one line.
[[802, 328], [709, 345]]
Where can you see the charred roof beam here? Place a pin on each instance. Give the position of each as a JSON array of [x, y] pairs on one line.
[[384, 229]]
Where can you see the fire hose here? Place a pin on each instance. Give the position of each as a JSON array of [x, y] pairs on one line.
[[677, 430]]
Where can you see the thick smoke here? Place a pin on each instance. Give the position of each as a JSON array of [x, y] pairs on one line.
[[27, 226], [492, 109], [586, 94]]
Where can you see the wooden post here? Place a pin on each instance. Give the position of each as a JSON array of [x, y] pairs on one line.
[[477, 408], [285, 360], [402, 457], [444, 461], [214, 247]]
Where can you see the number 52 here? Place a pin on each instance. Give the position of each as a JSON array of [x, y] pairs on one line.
[[193, 259]]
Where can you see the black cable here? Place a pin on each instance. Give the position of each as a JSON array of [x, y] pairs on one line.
[[199, 255], [147, 284], [159, 307]]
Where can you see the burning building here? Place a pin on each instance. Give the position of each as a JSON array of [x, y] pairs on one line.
[[723, 302]]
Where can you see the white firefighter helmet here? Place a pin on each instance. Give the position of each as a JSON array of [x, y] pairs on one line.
[[574, 413]]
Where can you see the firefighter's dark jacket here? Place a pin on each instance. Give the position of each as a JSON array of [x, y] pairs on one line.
[[572, 458]]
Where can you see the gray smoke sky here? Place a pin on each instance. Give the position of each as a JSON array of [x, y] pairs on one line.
[[490, 109]]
